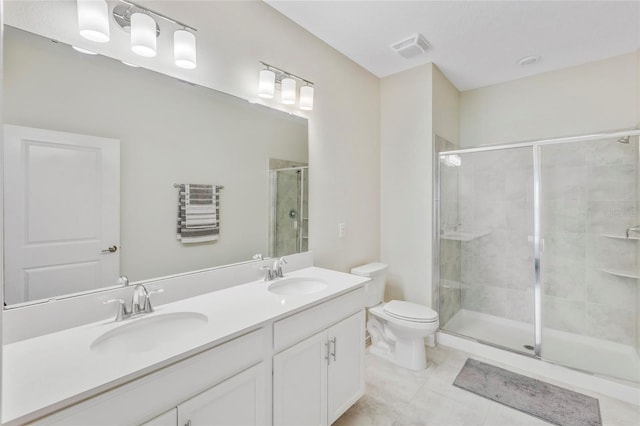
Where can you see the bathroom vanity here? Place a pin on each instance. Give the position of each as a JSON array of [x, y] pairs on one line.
[[288, 351]]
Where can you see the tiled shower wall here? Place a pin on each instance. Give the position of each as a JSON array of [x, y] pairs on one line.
[[588, 201], [495, 200]]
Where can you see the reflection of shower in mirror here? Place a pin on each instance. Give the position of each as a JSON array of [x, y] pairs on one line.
[[289, 194]]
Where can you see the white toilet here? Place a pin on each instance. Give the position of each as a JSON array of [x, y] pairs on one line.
[[397, 328]]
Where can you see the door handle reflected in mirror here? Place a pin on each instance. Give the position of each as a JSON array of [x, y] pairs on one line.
[[111, 249]]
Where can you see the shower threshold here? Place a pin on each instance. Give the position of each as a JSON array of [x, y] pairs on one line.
[[584, 353]]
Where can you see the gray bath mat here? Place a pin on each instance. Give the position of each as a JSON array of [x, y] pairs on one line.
[[543, 400]]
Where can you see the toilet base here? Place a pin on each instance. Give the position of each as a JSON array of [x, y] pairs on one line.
[[409, 353]]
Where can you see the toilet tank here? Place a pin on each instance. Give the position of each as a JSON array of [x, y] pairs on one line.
[[374, 289]]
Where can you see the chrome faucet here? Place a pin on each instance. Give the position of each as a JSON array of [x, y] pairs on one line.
[[269, 273], [275, 271], [633, 229], [140, 303], [277, 267]]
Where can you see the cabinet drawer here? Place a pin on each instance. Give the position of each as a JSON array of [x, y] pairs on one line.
[[165, 388], [293, 329]]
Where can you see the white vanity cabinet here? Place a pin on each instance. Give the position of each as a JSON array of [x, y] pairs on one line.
[[170, 418], [194, 385], [239, 400], [318, 378]]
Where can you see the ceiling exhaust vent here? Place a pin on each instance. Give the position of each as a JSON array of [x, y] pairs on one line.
[[411, 47]]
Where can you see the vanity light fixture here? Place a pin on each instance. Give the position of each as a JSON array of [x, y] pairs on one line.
[[184, 49], [271, 76], [288, 91], [93, 20], [143, 35], [142, 24], [306, 98], [267, 84]]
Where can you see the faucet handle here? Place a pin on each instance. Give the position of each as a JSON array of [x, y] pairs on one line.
[[268, 272], [122, 308], [147, 304], [277, 267]]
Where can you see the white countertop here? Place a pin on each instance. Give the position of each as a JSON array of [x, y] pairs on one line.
[[47, 373]]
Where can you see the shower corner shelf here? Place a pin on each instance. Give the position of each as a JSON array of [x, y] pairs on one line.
[[463, 235], [625, 274], [619, 237]]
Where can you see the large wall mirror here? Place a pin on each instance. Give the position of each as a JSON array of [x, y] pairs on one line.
[[93, 145]]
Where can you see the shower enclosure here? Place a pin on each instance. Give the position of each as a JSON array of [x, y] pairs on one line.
[[538, 249], [289, 222]]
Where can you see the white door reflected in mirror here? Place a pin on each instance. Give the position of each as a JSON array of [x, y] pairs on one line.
[[64, 192]]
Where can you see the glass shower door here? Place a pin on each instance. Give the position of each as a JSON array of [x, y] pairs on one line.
[[486, 246], [590, 269]]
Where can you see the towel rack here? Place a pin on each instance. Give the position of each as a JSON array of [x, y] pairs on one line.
[[177, 185]]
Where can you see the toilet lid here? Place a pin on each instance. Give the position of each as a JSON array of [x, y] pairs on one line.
[[410, 311]]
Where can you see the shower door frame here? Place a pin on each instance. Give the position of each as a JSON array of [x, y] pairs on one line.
[[536, 147]]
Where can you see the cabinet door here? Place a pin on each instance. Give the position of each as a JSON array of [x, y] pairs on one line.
[[170, 418], [240, 400], [346, 364], [300, 383]]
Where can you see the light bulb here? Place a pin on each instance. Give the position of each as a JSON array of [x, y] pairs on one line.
[[93, 20], [306, 98], [267, 84], [143, 34], [184, 49], [288, 91]]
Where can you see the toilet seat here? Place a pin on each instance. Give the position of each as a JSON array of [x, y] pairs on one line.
[[408, 311]]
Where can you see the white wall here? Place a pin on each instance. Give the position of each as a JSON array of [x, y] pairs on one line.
[[405, 182], [592, 97], [344, 137], [414, 105], [446, 108]]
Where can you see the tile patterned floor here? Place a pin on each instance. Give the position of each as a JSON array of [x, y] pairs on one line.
[[396, 396]]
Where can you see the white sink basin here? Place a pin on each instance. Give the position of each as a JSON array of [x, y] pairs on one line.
[[148, 333], [297, 285]]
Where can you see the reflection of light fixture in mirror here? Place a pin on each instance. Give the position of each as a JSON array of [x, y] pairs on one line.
[[288, 91], [184, 49], [93, 20], [451, 160], [85, 51], [143, 35], [271, 77], [306, 98], [267, 84]]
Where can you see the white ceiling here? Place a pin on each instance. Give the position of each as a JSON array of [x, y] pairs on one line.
[[475, 43]]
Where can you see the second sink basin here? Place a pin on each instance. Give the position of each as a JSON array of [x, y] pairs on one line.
[[297, 285], [148, 333]]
